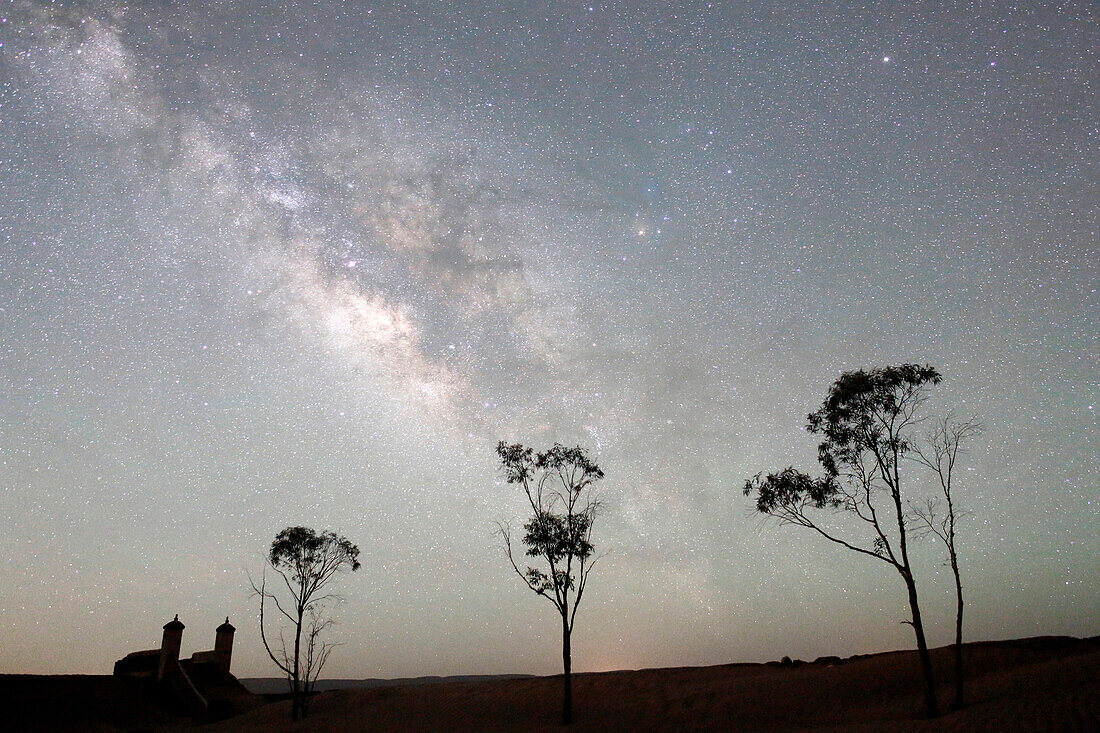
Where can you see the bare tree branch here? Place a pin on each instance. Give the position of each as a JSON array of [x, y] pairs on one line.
[[940, 453]]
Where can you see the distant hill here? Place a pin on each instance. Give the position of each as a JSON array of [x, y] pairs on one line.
[[278, 685]]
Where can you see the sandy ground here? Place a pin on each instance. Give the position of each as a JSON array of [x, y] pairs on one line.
[[1044, 684], [1041, 684]]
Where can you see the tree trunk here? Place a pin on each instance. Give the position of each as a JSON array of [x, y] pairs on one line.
[[959, 699], [296, 709], [567, 666], [930, 707]]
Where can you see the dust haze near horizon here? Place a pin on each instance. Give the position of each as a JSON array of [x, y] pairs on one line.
[[265, 264]]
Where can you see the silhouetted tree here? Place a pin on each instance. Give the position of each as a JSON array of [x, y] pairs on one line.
[[940, 453], [864, 424], [305, 561], [559, 532]]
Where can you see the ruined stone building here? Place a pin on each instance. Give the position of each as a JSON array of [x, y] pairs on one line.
[[201, 684]]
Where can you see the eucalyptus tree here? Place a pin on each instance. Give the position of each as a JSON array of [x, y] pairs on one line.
[[305, 561], [865, 424], [558, 484]]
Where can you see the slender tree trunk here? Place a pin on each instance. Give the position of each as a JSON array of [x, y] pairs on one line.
[[930, 707], [959, 699], [567, 666], [296, 693]]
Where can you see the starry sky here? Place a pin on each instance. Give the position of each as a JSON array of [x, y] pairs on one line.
[[275, 263]]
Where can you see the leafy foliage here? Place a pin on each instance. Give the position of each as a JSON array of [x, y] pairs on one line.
[[790, 489], [560, 528], [557, 536], [309, 558], [867, 411]]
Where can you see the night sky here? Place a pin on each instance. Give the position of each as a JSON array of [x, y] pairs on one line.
[[265, 264]]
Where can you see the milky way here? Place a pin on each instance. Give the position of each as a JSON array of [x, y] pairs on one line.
[[307, 263]]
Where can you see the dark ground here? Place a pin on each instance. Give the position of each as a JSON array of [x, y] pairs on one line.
[[1039, 684]]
